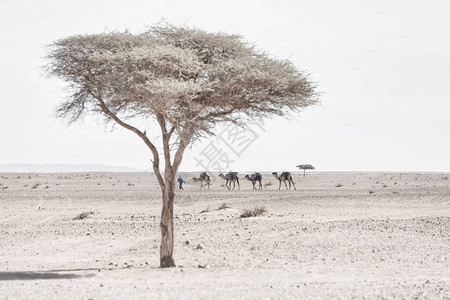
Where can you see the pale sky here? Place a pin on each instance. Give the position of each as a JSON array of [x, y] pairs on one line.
[[383, 68]]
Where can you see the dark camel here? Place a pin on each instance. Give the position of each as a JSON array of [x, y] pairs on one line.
[[254, 178], [231, 177], [203, 178], [285, 176]]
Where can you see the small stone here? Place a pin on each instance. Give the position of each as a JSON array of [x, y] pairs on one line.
[[199, 246], [205, 266]]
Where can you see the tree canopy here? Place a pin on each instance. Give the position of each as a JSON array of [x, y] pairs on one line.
[[305, 167], [192, 78]]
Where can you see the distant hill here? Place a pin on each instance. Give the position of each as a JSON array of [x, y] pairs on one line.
[[58, 168]]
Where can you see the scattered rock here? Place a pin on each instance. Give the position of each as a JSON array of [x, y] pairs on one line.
[[83, 215], [199, 246], [205, 266]]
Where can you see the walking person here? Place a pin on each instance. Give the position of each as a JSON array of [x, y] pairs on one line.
[[180, 183]]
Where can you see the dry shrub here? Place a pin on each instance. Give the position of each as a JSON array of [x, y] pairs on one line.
[[205, 210], [257, 211], [84, 215], [224, 206]]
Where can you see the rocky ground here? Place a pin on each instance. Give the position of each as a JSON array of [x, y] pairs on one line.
[[338, 236]]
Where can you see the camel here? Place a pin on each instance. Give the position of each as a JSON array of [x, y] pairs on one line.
[[254, 178], [283, 177], [203, 178], [231, 177]]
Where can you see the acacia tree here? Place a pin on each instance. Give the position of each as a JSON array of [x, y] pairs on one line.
[[183, 79], [305, 167]]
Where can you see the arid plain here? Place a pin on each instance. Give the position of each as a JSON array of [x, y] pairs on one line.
[[338, 236]]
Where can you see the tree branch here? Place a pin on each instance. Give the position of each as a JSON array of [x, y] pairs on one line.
[[185, 139], [166, 145], [142, 135]]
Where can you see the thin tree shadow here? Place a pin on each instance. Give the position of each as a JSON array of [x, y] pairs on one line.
[[57, 273], [41, 275]]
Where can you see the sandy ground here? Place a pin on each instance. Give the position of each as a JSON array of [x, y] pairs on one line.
[[338, 236]]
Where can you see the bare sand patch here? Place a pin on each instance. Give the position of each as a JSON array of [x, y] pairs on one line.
[[378, 235]]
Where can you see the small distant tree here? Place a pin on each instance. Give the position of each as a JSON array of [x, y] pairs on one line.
[[305, 167], [185, 81]]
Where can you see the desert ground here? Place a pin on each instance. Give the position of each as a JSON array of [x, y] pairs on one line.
[[338, 236]]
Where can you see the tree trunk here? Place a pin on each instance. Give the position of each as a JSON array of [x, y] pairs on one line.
[[167, 237], [304, 170]]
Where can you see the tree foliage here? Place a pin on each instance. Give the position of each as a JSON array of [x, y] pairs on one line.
[[192, 78], [305, 167], [185, 79]]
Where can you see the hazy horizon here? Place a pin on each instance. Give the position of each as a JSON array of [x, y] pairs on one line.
[[77, 168], [382, 68]]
